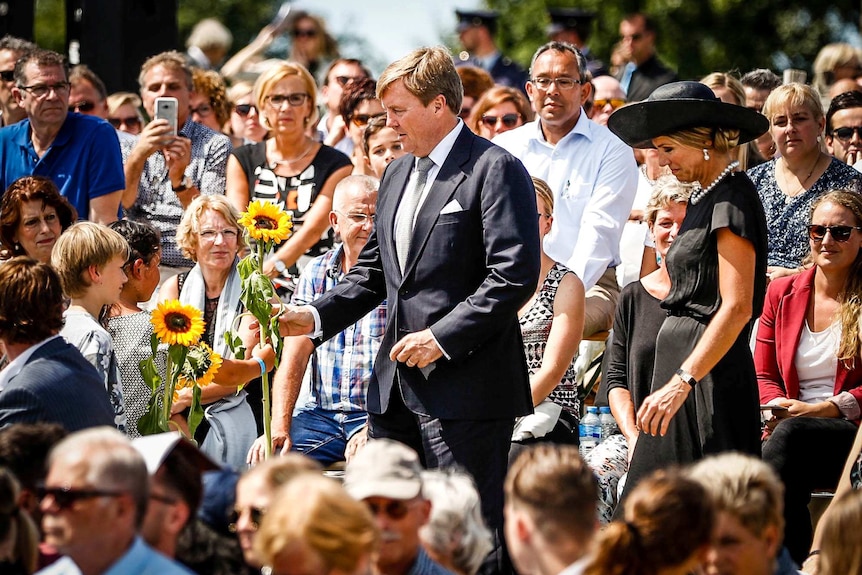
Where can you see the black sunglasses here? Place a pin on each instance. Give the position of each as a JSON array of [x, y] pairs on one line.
[[303, 33], [65, 497], [82, 107], [394, 509], [256, 517], [244, 109], [7, 75], [130, 122], [839, 233], [509, 120], [847, 132]]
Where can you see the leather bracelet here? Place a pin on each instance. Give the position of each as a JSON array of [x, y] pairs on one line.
[[262, 365], [686, 377]]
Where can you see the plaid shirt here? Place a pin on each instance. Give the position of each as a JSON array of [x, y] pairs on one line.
[[340, 367]]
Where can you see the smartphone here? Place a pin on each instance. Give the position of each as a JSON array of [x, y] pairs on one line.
[[166, 109], [772, 408]]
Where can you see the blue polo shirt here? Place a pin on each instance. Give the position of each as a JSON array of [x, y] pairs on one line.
[[84, 160]]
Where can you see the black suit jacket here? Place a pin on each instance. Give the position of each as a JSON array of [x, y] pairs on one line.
[[56, 385], [467, 274], [646, 78]]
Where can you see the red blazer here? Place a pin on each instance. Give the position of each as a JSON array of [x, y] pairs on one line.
[[778, 335]]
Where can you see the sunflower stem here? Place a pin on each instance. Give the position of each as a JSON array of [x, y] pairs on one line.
[[167, 395]]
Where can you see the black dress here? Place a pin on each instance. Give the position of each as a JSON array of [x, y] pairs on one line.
[[721, 413]]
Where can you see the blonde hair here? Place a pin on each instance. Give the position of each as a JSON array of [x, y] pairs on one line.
[[277, 471], [187, 231], [544, 193], [119, 99], [83, 245], [840, 552], [725, 80], [275, 74], [829, 57], [666, 191], [426, 73], [719, 139], [317, 512], [791, 96]]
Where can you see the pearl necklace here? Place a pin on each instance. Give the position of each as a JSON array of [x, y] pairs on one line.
[[699, 193]]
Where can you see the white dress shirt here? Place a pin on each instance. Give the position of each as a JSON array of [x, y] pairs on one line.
[[14, 367]]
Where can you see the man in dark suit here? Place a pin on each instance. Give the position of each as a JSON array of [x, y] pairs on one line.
[[451, 375], [476, 29], [643, 71], [47, 379]]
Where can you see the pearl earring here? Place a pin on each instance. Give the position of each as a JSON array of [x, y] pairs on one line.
[[705, 155], [819, 139]]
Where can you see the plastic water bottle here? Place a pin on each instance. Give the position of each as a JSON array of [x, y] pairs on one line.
[[609, 424], [590, 430]]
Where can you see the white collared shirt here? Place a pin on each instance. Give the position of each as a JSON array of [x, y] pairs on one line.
[[594, 178], [15, 366]]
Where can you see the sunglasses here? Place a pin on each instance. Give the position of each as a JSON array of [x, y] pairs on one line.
[[7, 75], [632, 37], [508, 120], [847, 132], [304, 33], [256, 517], [131, 122], [82, 107], [345, 80], [393, 509], [244, 109], [614, 102], [839, 233], [361, 120], [65, 497]]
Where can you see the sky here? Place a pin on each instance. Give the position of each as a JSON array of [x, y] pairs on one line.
[[391, 28]]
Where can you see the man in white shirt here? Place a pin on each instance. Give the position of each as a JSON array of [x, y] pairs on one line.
[[592, 173]]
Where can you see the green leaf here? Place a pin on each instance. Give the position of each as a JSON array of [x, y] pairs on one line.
[[196, 412], [150, 374], [177, 353], [148, 423], [154, 344], [234, 342]]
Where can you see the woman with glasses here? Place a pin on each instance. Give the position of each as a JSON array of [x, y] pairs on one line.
[[124, 112], [788, 185], [499, 110], [244, 126], [208, 100], [809, 366], [359, 105], [290, 167], [209, 234]]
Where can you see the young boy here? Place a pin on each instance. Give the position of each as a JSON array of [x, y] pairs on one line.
[[381, 145]]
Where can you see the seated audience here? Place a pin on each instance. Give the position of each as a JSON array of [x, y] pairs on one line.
[[359, 105], [244, 126], [455, 536], [841, 553], [33, 214], [550, 511], [208, 44], [476, 82], [834, 62], [19, 538], [499, 110], [387, 477], [749, 529], [731, 91], [124, 112], [807, 359], [331, 129], [607, 96], [381, 144], [24, 450], [47, 379], [758, 84], [843, 127], [208, 100]]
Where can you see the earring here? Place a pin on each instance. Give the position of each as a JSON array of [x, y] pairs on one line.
[[705, 155], [819, 139]]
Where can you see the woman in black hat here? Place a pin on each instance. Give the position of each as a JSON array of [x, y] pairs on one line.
[[703, 395]]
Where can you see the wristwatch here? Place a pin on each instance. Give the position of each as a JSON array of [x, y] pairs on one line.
[[686, 377], [185, 184], [279, 266]]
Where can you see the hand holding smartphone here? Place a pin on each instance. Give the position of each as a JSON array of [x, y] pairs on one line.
[[166, 109]]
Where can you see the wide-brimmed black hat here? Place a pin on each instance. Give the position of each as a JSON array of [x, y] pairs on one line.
[[681, 106]]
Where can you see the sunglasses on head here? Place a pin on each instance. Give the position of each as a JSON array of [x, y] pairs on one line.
[[82, 107], [7, 75], [394, 509], [361, 120], [508, 120], [130, 122], [839, 233], [65, 497], [256, 517], [847, 132], [614, 102], [244, 109]]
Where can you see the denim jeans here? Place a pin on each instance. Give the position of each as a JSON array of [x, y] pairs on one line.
[[322, 434]]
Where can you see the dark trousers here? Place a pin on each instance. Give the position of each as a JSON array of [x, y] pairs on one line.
[[808, 453], [479, 447]]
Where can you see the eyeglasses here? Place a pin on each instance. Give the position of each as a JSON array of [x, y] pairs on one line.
[[361, 120], [65, 497], [7, 75], [508, 120], [82, 107], [203, 110], [357, 218], [296, 99], [255, 513], [839, 233], [614, 102], [304, 33], [132, 122], [633, 37], [244, 109], [562, 83], [345, 80], [846, 133], [163, 499], [394, 509], [541, 215], [210, 235], [39, 91]]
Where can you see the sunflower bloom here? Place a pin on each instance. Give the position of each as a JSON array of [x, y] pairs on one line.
[[201, 366], [175, 323], [266, 221]]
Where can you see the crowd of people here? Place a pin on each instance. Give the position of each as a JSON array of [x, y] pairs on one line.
[[465, 233]]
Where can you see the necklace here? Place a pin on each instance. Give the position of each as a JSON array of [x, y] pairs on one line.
[[296, 159], [699, 193], [643, 168], [788, 196]]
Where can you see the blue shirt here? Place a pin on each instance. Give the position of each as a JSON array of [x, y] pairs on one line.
[[341, 367], [140, 559], [84, 160]]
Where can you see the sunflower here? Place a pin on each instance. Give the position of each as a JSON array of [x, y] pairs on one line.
[[201, 366], [175, 323], [266, 222]]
